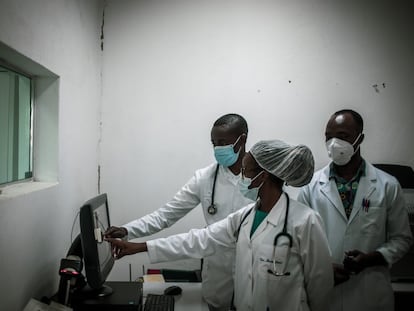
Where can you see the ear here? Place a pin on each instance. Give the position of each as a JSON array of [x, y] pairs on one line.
[[261, 179], [265, 176], [241, 143]]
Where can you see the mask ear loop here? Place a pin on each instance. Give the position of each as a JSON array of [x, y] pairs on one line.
[[254, 178], [235, 143], [356, 140]]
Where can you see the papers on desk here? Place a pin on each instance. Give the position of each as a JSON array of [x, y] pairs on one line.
[[172, 275], [154, 278], [35, 305]]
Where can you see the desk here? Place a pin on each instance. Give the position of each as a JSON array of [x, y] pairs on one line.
[[126, 296], [190, 299], [403, 295]]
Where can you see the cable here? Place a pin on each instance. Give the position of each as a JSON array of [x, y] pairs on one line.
[[73, 225]]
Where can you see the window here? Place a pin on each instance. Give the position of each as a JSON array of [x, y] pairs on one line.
[[29, 124], [15, 126]]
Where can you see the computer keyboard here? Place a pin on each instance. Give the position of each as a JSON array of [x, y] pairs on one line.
[[159, 303]]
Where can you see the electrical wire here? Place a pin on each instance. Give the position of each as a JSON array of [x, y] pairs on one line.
[[73, 226]]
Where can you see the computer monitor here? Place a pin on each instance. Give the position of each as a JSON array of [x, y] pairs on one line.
[[97, 257]]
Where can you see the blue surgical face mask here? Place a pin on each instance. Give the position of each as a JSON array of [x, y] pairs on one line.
[[225, 155], [244, 184]]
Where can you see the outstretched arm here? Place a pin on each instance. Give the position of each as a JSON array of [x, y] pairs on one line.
[[197, 243], [183, 202]]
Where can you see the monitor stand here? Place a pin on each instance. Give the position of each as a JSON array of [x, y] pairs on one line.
[[125, 296], [88, 292]]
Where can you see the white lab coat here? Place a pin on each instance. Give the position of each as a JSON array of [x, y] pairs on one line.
[[383, 228], [310, 281], [218, 269]]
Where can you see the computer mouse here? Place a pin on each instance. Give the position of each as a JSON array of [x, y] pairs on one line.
[[173, 290]]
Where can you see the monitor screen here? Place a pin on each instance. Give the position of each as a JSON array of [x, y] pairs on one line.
[[98, 260]]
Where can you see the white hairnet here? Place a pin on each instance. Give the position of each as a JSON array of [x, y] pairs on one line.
[[292, 164]]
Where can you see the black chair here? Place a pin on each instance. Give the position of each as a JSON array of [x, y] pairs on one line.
[[403, 270], [403, 173]]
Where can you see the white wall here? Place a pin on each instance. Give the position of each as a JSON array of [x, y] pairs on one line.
[[35, 228], [172, 67]]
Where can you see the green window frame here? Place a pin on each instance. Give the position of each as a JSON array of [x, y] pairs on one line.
[[16, 125]]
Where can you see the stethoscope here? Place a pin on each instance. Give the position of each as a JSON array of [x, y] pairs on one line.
[[212, 209], [285, 234]]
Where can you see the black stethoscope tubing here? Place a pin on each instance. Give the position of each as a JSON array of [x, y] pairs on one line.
[[212, 209], [284, 233], [284, 230], [280, 234]]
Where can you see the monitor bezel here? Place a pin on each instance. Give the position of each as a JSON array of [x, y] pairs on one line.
[[96, 274]]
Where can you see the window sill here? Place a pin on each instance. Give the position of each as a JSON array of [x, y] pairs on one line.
[[15, 190]]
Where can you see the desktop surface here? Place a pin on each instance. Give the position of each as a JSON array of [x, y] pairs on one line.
[[190, 300], [126, 296]]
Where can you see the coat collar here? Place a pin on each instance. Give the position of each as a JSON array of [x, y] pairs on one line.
[[366, 187], [278, 211], [275, 217]]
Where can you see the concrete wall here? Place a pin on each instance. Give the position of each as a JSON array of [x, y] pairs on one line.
[[169, 69], [172, 67], [35, 226]]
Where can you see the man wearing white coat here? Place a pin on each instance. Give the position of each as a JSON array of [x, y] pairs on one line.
[[215, 187], [282, 255], [365, 218]]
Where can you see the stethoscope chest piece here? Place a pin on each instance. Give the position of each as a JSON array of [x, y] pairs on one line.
[[212, 209]]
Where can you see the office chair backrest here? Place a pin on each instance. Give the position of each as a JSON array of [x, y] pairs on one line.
[[403, 173], [403, 270]]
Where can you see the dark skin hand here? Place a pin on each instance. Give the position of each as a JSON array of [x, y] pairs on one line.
[[340, 274], [115, 232], [121, 248], [355, 261]]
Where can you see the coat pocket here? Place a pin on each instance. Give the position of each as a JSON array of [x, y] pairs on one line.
[[372, 220]]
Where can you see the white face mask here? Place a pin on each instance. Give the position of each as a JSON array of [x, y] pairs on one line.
[[341, 151]]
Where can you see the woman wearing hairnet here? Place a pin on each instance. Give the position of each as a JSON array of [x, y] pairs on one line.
[[282, 256]]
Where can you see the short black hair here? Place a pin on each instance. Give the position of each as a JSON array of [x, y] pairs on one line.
[[233, 120], [355, 115]]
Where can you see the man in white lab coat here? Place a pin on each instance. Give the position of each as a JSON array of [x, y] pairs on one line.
[[283, 261], [215, 187], [365, 218]]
